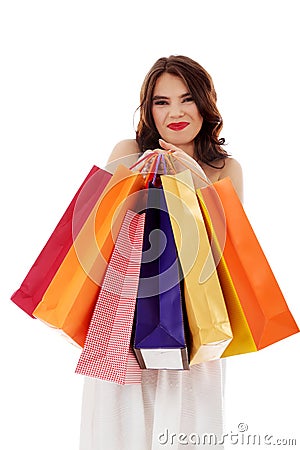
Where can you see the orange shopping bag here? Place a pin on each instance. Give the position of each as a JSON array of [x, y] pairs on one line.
[[258, 312], [70, 298]]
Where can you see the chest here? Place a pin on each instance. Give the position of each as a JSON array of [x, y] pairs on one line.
[[212, 174]]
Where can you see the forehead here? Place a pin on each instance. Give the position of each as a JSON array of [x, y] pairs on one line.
[[170, 86]]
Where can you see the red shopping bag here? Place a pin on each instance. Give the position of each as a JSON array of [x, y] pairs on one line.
[[106, 353], [36, 282]]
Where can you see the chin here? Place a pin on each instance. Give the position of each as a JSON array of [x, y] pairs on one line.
[[180, 142], [179, 138]]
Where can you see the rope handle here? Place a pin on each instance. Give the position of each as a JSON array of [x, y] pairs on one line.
[[167, 157], [153, 153], [158, 160], [192, 170], [143, 159], [148, 178], [170, 162]]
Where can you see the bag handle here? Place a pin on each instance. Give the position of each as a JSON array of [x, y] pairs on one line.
[[145, 158], [149, 175], [158, 160], [170, 162], [167, 157], [157, 156], [205, 180], [139, 161]]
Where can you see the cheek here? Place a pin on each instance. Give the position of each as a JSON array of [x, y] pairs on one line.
[[198, 118], [158, 117], [196, 114]]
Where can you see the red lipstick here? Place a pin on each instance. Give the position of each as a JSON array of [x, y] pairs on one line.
[[178, 126]]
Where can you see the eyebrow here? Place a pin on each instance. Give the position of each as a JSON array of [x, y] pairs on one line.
[[163, 97]]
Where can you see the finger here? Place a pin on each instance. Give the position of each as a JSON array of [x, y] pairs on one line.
[[149, 152], [166, 145]]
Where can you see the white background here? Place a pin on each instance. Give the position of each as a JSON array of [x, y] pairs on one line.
[[70, 78]]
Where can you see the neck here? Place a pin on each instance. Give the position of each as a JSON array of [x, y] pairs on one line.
[[189, 149]]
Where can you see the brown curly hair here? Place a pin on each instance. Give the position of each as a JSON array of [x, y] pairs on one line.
[[207, 143]]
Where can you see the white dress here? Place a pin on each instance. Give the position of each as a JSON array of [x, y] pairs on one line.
[[168, 410]]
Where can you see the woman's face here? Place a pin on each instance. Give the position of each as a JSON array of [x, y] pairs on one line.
[[175, 113]]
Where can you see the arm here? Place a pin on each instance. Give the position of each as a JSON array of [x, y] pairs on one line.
[[233, 170], [125, 152]]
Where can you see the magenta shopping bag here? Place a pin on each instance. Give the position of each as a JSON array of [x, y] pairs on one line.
[[107, 354], [35, 284]]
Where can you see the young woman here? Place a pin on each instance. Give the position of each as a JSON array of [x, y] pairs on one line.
[[169, 409]]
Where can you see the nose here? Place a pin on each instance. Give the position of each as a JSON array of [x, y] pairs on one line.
[[176, 110]]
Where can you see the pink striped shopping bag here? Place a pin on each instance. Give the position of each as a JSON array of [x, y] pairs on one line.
[[107, 354]]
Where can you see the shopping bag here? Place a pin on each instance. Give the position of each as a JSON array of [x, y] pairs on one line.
[[106, 354], [159, 337], [70, 298], [258, 299], [210, 331], [41, 273], [215, 222], [44, 268]]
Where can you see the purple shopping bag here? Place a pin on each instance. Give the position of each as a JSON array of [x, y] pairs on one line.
[[159, 337]]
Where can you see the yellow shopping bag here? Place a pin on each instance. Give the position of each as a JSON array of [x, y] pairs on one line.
[[210, 331]]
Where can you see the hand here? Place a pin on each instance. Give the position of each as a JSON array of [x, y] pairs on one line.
[[181, 160], [148, 160]]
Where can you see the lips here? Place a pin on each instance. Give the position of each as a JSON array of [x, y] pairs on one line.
[[178, 126]]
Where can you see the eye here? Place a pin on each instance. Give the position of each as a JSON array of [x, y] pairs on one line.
[[188, 99], [160, 102]]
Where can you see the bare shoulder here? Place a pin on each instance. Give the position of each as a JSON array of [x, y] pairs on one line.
[[233, 169], [124, 148]]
